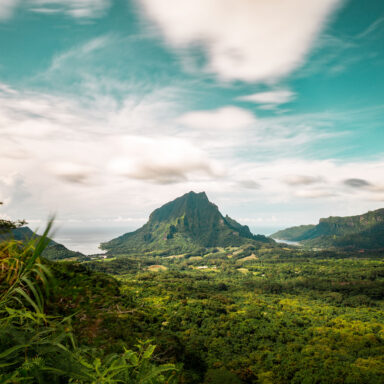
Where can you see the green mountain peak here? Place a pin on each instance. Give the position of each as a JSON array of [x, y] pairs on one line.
[[185, 224]]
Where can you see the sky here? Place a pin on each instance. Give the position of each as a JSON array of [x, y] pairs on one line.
[[111, 108]]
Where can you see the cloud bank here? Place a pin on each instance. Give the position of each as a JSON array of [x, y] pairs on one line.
[[87, 158]]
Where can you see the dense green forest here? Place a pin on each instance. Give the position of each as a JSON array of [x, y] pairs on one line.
[[253, 312], [224, 317]]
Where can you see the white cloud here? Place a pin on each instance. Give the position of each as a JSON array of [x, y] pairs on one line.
[[276, 97], [244, 39], [220, 131], [99, 159], [7, 8], [314, 194], [74, 155], [231, 131], [226, 118], [162, 160]]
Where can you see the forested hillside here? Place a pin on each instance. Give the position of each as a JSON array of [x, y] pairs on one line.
[[255, 313], [53, 250], [293, 233], [355, 232], [259, 315]]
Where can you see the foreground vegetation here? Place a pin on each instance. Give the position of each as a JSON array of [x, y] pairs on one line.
[[38, 341], [248, 314]]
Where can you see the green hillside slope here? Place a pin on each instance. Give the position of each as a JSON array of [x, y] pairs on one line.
[[293, 233], [54, 251], [364, 231]]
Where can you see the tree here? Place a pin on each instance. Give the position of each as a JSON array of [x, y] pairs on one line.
[[7, 225]]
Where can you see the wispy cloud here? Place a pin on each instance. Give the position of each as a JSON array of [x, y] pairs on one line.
[[78, 9], [373, 27], [335, 54], [79, 52], [239, 132], [225, 118], [275, 97]]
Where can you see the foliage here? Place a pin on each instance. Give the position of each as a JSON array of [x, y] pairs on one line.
[[280, 316], [36, 347], [293, 233], [7, 225], [248, 313]]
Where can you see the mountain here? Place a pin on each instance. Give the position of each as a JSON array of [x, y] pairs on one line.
[[293, 233], [185, 224], [54, 251], [364, 231]]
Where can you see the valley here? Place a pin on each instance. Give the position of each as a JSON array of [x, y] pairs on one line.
[[244, 315], [216, 303]]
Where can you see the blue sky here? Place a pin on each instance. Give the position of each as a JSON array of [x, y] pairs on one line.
[[110, 108]]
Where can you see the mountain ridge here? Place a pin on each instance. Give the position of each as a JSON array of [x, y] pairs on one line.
[[54, 250], [365, 231], [184, 224]]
